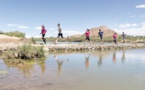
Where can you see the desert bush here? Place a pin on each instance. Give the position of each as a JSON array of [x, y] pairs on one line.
[[33, 40], [25, 52], [16, 34], [1, 32]]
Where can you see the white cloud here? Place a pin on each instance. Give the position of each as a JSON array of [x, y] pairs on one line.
[[23, 27], [132, 29], [11, 25], [71, 32], [65, 33], [38, 28], [140, 6], [17, 26], [52, 29], [127, 25], [30, 36]]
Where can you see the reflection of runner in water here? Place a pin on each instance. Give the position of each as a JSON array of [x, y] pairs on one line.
[[59, 63], [100, 59], [114, 56], [123, 56], [87, 63]]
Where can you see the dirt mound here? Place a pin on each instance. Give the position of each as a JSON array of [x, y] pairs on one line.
[[8, 39], [94, 32], [107, 32]]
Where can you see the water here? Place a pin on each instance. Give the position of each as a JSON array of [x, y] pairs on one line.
[[101, 70]]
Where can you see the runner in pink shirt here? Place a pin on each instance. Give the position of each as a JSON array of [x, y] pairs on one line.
[[43, 32], [87, 35], [115, 38]]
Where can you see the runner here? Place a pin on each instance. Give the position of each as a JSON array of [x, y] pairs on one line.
[[87, 35], [123, 37], [43, 32], [100, 33], [115, 38], [59, 34]]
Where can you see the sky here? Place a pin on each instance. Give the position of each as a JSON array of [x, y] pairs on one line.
[[75, 16]]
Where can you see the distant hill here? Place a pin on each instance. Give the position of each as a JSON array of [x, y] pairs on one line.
[[94, 32]]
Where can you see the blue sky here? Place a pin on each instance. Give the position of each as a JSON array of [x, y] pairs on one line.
[[75, 16]]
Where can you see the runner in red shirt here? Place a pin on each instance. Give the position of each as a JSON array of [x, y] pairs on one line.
[[115, 38], [87, 35], [43, 32]]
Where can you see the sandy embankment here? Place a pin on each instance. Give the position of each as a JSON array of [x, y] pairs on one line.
[[8, 39], [9, 42]]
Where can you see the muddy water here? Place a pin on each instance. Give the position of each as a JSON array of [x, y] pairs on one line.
[[101, 70]]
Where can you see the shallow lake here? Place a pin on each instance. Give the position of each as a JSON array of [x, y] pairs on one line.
[[98, 70]]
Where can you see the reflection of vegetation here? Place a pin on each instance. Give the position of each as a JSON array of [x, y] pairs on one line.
[[3, 73], [42, 64], [24, 52], [21, 65], [25, 66]]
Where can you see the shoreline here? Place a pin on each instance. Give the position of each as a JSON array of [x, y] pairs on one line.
[[75, 47]]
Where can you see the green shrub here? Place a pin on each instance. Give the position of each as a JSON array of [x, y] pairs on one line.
[[1, 32], [33, 40], [25, 52], [16, 34]]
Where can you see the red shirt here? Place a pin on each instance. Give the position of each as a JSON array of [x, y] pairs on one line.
[[87, 33], [43, 31], [115, 36]]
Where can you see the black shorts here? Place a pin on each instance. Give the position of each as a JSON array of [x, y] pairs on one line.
[[101, 38], [87, 38], [60, 34], [115, 41], [43, 35]]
